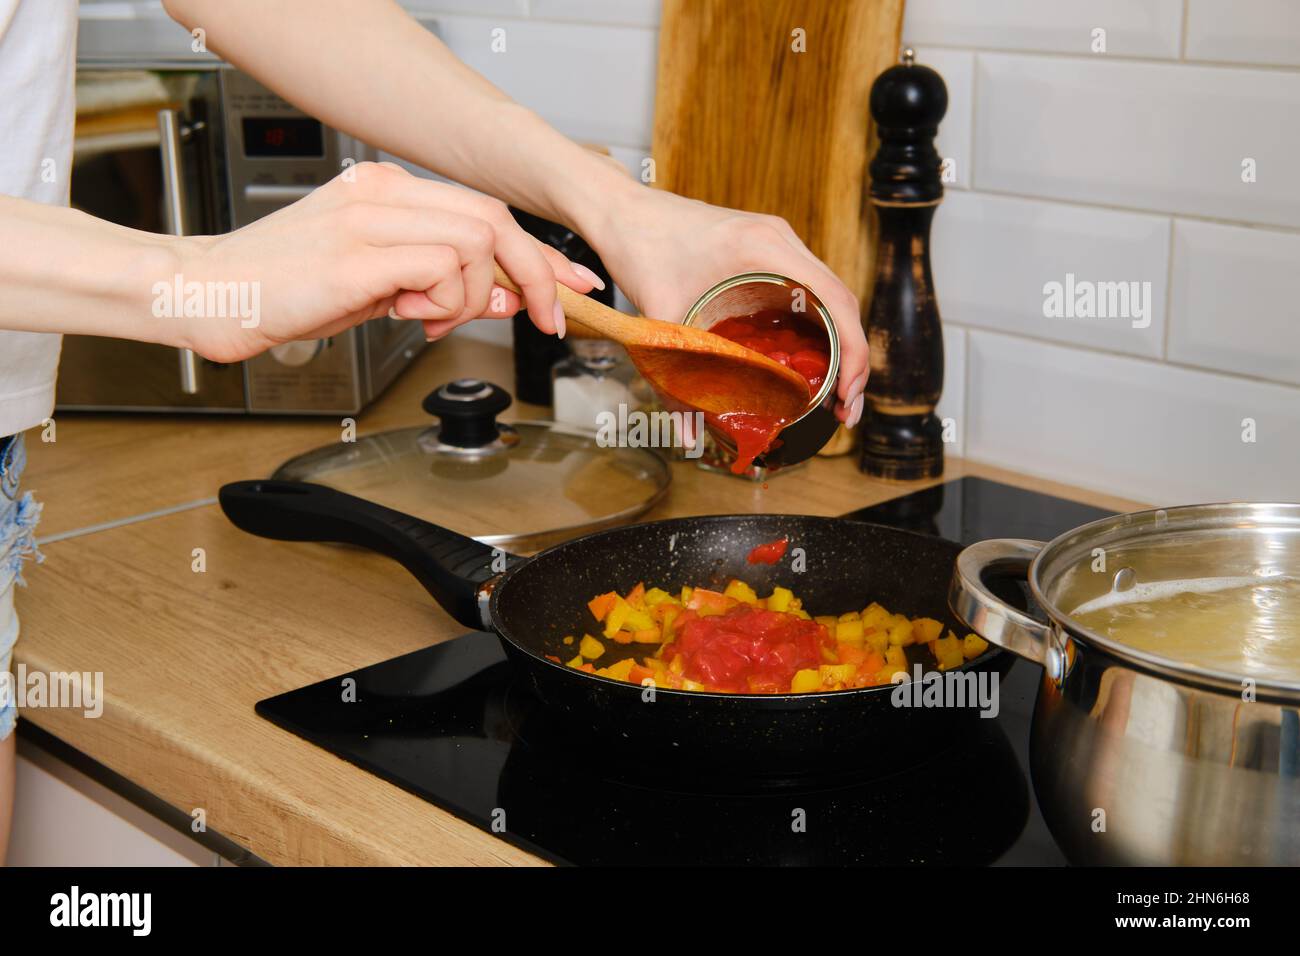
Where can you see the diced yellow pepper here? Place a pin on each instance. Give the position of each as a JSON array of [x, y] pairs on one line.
[[779, 599], [621, 670], [878, 641], [900, 631], [805, 681], [656, 596], [740, 591], [827, 621], [926, 629], [895, 659], [850, 616], [849, 631], [568, 640], [875, 616], [689, 684], [947, 652], [576, 662], [801, 614], [590, 648], [617, 617], [832, 674], [686, 594], [972, 646]]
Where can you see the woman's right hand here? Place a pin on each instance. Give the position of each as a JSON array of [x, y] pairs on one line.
[[373, 241]]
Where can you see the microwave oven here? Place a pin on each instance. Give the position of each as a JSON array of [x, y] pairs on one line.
[[210, 149]]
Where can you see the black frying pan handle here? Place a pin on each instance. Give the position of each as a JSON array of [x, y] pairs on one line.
[[452, 567]]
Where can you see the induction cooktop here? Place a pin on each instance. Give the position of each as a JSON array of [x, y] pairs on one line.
[[449, 724]]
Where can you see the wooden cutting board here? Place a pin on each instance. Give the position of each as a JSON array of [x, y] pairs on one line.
[[742, 119]]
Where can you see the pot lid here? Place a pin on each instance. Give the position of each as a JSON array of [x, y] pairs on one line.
[[524, 485], [1205, 592]]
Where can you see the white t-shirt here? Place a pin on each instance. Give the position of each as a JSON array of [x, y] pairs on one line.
[[38, 40]]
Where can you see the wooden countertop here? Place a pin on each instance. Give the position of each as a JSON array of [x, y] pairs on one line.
[[185, 655]]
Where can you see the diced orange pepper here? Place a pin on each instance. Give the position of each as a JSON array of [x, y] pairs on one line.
[[601, 605], [704, 601], [636, 596], [648, 635], [851, 653], [639, 674]]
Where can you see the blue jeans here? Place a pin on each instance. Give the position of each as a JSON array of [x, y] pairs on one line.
[[18, 517]]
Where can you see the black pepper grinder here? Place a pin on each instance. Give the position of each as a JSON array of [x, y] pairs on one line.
[[901, 437]]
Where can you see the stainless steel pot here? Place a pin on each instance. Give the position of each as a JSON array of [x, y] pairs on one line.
[[1138, 758]]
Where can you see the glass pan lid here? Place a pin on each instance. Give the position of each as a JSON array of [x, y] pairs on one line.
[[523, 486]]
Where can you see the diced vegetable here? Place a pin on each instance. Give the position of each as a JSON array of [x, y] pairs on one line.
[[900, 631], [780, 599], [849, 632], [856, 649], [740, 591], [657, 596], [972, 646], [834, 675], [947, 652], [602, 604], [926, 629], [805, 681]]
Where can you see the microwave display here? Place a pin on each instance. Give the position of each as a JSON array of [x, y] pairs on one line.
[[283, 137]]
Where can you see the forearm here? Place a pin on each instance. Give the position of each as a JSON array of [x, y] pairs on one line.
[[371, 70], [65, 271]]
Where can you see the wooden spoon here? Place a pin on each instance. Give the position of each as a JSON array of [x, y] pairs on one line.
[[696, 368]]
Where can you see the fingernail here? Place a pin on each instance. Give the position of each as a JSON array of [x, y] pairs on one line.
[[585, 273], [855, 412], [392, 312], [558, 317], [856, 386]]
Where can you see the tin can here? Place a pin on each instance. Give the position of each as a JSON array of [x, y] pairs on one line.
[[752, 292]]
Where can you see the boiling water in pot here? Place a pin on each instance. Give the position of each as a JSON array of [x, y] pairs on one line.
[[1242, 625]]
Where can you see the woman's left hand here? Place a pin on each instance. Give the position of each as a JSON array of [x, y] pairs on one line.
[[664, 251]]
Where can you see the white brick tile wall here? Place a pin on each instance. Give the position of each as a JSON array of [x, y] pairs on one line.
[[1143, 429], [1147, 28], [992, 256], [634, 13], [1142, 135], [481, 8], [1233, 301], [1257, 31], [957, 67], [593, 83], [953, 403]]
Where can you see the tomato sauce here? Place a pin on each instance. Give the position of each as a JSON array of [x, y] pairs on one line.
[[769, 553], [784, 337], [748, 649], [788, 340]]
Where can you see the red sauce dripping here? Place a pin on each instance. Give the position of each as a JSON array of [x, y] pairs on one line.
[[748, 650], [787, 339], [769, 553]]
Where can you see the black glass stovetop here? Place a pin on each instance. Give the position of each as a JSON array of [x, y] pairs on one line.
[[449, 724]]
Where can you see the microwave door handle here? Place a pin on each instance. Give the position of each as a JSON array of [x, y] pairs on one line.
[[174, 206]]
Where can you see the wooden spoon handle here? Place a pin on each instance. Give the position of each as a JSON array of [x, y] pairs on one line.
[[587, 318]]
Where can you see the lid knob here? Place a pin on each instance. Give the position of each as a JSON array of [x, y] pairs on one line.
[[468, 409]]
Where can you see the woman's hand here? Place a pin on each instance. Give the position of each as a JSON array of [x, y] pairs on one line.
[[664, 251], [373, 241]]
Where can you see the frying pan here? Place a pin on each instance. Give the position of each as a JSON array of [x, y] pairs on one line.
[[532, 603]]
